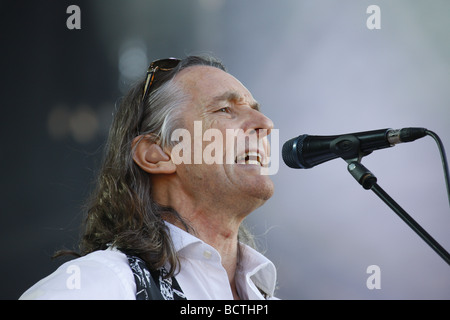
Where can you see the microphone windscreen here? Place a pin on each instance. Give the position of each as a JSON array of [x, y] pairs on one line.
[[290, 154]]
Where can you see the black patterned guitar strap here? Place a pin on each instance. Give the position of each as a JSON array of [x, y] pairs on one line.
[[151, 285]]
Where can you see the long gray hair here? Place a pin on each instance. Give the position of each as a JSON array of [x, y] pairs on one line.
[[121, 211]]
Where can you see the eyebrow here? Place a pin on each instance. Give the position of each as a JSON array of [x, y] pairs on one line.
[[233, 96]]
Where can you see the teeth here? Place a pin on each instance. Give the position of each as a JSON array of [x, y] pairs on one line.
[[252, 162], [249, 158]]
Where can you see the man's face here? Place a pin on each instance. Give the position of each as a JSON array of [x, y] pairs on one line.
[[218, 101]]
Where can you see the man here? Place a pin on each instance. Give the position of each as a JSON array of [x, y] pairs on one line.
[[159, 228]]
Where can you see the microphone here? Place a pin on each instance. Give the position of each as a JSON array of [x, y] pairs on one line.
[[306, 151]]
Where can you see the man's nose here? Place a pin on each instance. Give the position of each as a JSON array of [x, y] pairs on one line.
[[258, 123]]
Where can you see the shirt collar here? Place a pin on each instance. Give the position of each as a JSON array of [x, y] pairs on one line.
[[254, 268], [257, 270], [180, 238]]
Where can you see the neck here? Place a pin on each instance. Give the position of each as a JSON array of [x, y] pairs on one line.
[[220, 234], [215, 223], [218, 230]]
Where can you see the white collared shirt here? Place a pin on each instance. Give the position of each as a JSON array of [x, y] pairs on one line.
[[106, 274]]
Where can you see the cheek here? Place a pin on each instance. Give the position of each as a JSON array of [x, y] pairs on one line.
[[210, 124], [202, 177]]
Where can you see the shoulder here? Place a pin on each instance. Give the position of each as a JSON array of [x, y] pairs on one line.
[[103, 274]]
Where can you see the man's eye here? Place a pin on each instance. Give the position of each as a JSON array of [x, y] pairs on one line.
[[226, 110]]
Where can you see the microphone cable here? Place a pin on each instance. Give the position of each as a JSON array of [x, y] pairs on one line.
[[443, 159]]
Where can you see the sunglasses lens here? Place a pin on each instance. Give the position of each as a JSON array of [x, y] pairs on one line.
[[166, 64], [163, 65]]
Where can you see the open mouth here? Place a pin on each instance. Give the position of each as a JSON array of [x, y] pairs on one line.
[[250, 157]]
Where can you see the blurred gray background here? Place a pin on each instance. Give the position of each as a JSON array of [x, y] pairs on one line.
[[313, 65]]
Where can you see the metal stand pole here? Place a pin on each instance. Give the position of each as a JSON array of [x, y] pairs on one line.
[[369, 182]]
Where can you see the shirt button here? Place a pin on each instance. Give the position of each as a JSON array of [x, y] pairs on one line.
[[207, 254]]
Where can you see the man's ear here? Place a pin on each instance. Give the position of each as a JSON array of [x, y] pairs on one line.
[[150, 157]]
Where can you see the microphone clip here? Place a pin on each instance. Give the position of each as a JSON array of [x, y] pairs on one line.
[[348, 147]]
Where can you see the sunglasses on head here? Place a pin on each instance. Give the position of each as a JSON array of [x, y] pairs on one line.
[[163, 65]]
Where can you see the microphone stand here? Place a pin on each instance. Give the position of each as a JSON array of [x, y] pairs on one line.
[[369, 182]]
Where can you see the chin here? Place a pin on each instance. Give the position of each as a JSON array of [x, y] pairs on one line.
[[267, 195], [263, 191]]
